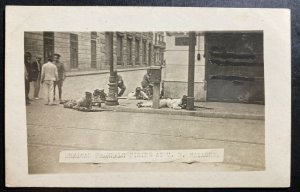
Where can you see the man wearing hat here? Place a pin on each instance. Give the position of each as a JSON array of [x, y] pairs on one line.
[[36, 75], [61, 75]]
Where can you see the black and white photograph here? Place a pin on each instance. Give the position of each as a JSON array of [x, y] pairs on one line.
[[145, 91], [121, 97]]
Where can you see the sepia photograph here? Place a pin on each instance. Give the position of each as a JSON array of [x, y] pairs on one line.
[[122, 97], [116, 91]]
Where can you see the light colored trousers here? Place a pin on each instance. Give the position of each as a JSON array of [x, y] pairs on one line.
[[49, 88], [37, 84]]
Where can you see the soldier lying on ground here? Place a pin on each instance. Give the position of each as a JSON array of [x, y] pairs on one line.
[[138, 94], [99, 96], [170, 103], [82, 104]]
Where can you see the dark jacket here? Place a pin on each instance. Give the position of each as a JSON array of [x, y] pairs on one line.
[[29, 69], [146, 81], [36, 70], [61, 70]]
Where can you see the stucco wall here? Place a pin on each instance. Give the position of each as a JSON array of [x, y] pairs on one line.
[[62, 46], [176, 72], [33, 43]]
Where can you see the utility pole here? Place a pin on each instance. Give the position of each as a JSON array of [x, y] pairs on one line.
[[191, 71], [112, 96]]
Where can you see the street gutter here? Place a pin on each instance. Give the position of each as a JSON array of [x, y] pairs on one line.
[[197, 113]]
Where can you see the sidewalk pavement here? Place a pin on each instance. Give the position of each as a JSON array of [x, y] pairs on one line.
[[203, 109], [97, 72]]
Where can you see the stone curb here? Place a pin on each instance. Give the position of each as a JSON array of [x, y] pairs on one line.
[[83, 73], [184, 112]]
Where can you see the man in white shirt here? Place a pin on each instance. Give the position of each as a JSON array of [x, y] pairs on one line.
[[48, 77]]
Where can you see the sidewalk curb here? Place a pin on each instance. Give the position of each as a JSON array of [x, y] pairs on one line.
[[83, 73], [184, 112]]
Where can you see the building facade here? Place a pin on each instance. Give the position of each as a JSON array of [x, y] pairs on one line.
[[229, 66], [88, 51], [159, 46]]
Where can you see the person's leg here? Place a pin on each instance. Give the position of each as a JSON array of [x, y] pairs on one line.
[[144, 95], [36, 88], [27, 91], [51, 91], [59, 85], [123, 88], [46, 90], [145, 104], [148, 91], [163, 103], [54, 88]]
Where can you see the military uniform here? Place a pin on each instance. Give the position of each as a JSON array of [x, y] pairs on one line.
[[81, 104], [61, 77], [121, 85]]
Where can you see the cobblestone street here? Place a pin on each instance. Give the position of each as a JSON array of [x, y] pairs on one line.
[[52, 129]]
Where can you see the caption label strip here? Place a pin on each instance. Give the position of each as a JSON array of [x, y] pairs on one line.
[[147, 156]]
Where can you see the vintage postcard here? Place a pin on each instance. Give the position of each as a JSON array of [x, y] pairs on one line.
[[147, 97]]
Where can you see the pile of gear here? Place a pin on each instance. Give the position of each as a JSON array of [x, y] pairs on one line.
[[86, 103]]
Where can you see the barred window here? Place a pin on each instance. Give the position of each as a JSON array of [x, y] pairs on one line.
[[48, 45], [93, 50], [119, 50], [144, 51], [137, 52], [129, 51], [74, 50]]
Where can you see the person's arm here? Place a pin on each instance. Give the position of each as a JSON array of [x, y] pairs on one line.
[[26, 73], [145, 96], [131, 96], [63, 70], [43, 75], [147, 78], [56, 74], [120, 80], [29, 71], [34, 66]]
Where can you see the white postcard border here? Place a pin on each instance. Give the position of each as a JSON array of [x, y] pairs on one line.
[[275, 24]]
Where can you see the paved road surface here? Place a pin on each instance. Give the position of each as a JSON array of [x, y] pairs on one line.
[[52, 129]]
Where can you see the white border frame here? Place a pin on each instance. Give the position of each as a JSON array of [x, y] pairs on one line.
[[277, 59]]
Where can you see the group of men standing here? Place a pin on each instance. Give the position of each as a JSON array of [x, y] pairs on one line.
[[50, 75]]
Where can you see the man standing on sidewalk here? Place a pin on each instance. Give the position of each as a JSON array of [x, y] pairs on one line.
[[28, 75], [49, 76], [36, 75], [61, 75]]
